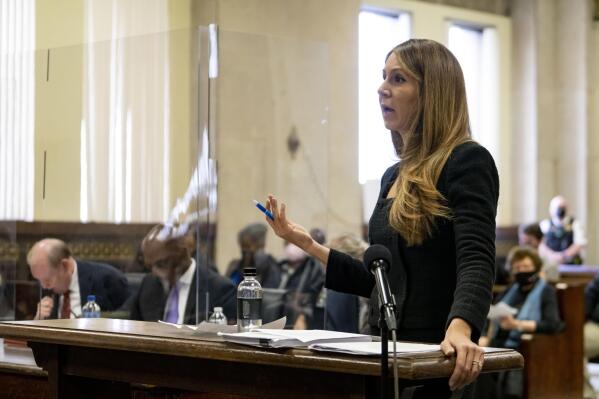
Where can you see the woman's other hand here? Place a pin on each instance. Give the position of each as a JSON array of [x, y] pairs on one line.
[[469, 356], [287, 230], [294, 233]]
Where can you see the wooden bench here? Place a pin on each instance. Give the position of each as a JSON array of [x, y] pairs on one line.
[[553, 364]]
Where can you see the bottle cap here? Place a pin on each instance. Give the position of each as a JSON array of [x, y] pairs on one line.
[[249, 271], [218, 309], [91, 298]]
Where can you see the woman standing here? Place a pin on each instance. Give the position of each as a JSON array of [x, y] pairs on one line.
[[435, 213]]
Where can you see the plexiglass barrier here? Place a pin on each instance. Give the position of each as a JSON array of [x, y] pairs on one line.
[[147, 152]]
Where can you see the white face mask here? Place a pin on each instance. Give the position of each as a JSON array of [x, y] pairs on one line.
[[294, 254]]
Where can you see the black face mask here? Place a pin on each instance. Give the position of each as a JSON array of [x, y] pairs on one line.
[[561, 212], [525, 278]]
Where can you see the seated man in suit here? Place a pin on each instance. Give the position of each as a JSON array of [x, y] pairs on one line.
[[71, 281], [169, 292]]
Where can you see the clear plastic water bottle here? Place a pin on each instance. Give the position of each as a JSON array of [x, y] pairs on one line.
[[249, 301], [91, 310], [218, 317]]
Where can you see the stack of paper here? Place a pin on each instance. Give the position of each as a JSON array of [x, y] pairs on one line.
[[212, 328], [373, 348], [291, 338]]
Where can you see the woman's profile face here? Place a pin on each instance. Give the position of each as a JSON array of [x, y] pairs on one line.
[[398, 96]]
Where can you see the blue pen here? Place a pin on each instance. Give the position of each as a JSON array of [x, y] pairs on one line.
[[264, 210]]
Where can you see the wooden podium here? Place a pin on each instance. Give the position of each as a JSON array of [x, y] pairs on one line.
[[96, 358]]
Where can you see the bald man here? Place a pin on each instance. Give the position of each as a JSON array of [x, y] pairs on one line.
[[563, 236], [71, 281]]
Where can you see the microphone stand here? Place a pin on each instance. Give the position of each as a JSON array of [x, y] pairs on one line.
[[385, 348], [384, 352]]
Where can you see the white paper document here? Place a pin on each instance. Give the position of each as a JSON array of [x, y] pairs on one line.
[[269, 338], [205, 327], [374, 348], [500, 310]]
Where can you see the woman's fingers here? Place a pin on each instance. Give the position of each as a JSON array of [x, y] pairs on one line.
[[282, 214], [280, 225], [468, 366], [477, 364], [273, 204], [447, 349], [460, 370]]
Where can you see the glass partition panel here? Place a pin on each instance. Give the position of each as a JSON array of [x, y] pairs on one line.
[[148, 151], [9, 256], [115, 146], [268, 131]]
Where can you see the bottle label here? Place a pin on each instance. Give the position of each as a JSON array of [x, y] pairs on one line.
[[249, 309]]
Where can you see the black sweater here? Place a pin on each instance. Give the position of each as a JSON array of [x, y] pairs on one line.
[[451, 274]]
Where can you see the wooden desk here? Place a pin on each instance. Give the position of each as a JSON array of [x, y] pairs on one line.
[[20, 377], [81, 355], [579, 274]]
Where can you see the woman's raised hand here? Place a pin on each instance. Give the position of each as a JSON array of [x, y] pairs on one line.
[[287, 230]]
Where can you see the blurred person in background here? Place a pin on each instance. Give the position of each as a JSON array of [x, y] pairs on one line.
[[70, 281], [252, 240], [531, 235], [564, 239], [537, 312], [346, 312], [169, 292]]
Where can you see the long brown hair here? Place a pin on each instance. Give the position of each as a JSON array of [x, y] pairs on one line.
[[439, 124]]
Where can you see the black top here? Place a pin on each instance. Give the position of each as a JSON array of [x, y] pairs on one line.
[[550, 320], [451, 274]]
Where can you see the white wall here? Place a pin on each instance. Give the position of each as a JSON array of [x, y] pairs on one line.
[[554, 129], [313, 34]]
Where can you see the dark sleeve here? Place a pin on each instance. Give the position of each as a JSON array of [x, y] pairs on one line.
[[348, 275], [550, 321], [473, 191], [116, 286], [591, 300], [134, 302]]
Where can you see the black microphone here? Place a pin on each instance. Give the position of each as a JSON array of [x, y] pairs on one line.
[[378, 259]]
